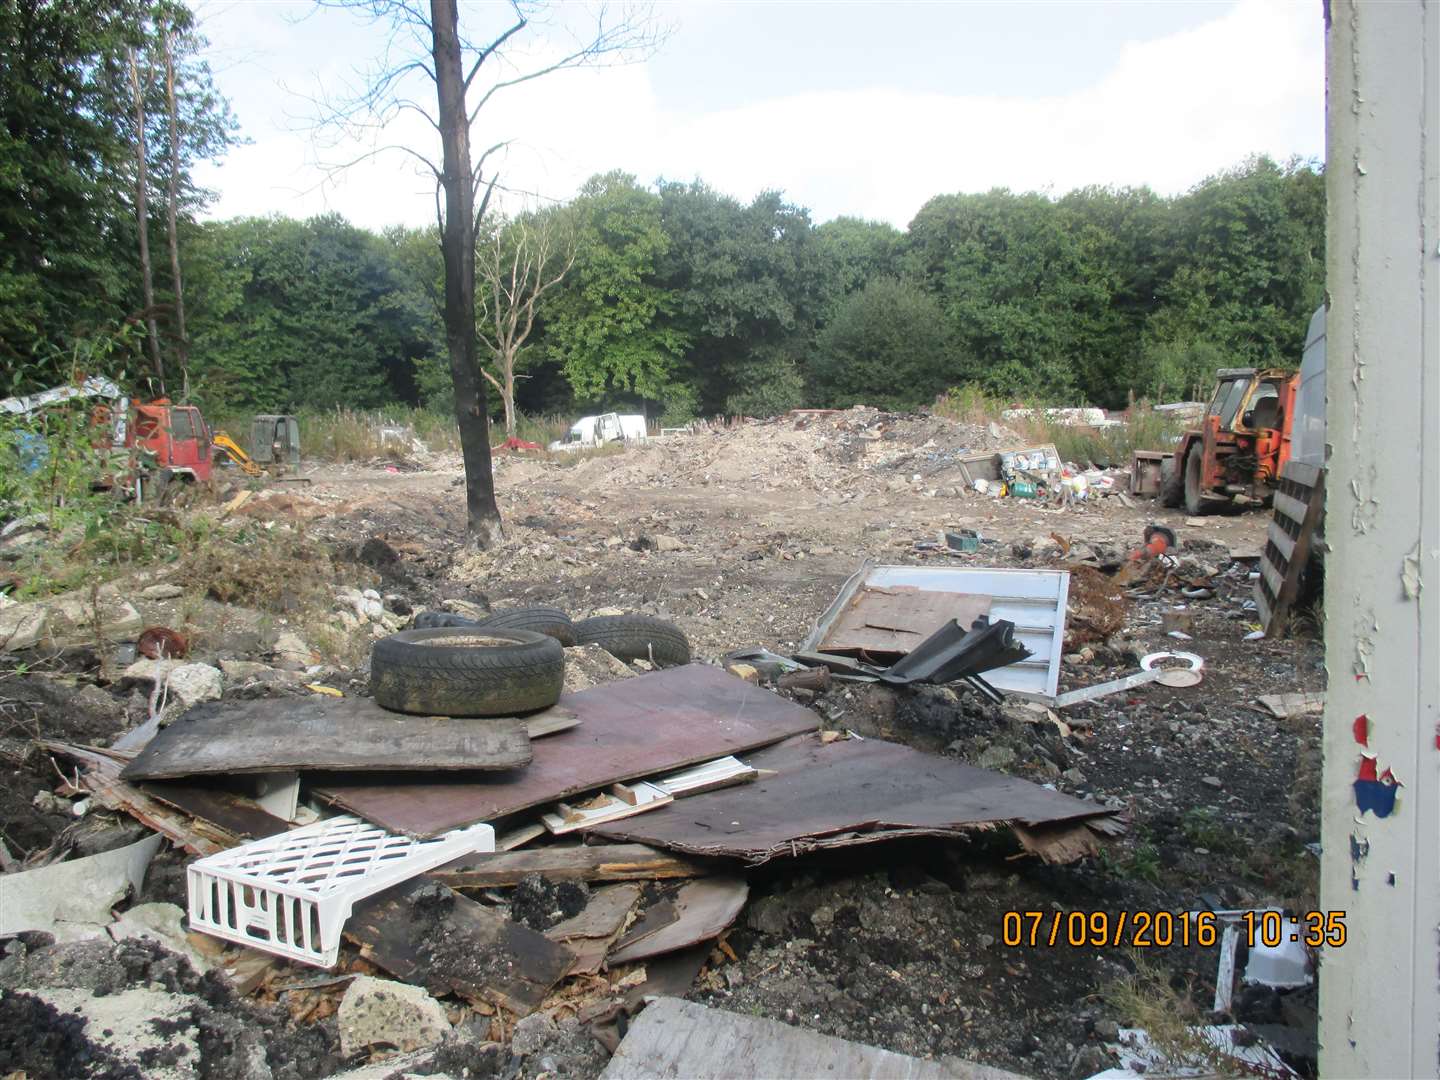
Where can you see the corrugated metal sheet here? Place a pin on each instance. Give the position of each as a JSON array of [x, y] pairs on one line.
[[1034, 600]]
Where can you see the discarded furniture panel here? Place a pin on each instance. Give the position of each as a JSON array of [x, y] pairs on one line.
[[236, 814], [701, 910], [681, 1038], [323, 733], [847, 792], [428, 934], [1299, 506], [600, 862], [621, 801], [291, 894], [1033, 600], [645, 726], [72, 900]]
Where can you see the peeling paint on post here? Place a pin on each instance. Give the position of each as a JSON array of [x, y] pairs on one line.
[[1380, 992]]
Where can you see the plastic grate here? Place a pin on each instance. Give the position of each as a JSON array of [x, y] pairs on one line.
[[291, 894]]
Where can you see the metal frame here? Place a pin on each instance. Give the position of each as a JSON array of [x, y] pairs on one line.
[[1034, 600]]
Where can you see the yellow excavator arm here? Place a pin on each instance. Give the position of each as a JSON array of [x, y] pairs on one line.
[[228, 446]]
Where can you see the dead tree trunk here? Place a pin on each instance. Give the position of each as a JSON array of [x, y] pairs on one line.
[[142, 221], [182, 343], [458, 245]]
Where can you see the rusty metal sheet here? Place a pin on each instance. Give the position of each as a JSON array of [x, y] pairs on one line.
[[323, 733], [896, 619], [628, 729], [847, 792]]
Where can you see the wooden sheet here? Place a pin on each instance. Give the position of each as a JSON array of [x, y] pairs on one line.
[[895, 619], [846, 792], [428, 934], [701, 909], [601, 862], [323, 733], [637, 727]]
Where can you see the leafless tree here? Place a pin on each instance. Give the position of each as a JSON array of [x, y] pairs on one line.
[[172, 197], [466, 74], [138, 86], [517, 262]]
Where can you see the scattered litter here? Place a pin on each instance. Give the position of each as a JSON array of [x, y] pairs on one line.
[[1284, 966], [1195, 663], [1090, 693]]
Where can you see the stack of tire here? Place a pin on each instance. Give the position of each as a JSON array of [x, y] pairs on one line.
[[508, 664]]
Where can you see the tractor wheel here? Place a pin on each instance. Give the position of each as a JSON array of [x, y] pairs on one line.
[[1172, 487], [1195, 483]]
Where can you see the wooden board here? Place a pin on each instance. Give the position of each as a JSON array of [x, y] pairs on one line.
[[701, 910], [1299, 506], [842, 793], [324, 733], [602, 862], [895, 619], [681, 1038], [645, 726], [425, 933], [590, 934], [235, 813]]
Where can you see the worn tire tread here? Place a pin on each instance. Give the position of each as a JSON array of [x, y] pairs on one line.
[[630, 637], [409, 676], [550, 621]]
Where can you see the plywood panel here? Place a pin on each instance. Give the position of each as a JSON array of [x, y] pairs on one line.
[[634, 728]]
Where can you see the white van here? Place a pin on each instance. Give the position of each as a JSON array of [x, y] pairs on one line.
[[591, 431]]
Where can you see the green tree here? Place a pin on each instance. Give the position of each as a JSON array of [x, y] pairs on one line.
[[612, 325], [888, 345]]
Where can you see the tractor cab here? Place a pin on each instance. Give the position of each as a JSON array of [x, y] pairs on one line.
[[275, 442]]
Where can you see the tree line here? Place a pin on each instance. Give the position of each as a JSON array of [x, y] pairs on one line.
[[672, 298]]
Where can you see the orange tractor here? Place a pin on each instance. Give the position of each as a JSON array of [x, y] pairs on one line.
[[1243, 442]]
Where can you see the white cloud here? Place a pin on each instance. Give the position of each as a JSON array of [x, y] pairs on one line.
[[1172, 111]]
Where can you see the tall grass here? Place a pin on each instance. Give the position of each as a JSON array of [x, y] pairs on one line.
[[1144, 429]]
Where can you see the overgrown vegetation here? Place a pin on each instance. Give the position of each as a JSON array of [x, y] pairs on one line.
[[1169, 1016]]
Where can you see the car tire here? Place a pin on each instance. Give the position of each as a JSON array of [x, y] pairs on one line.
[[439, 620], [636, 637], [466, 671], [550, 621], [1194, 483]]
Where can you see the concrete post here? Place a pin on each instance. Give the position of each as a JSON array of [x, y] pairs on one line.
[[1380, 992]]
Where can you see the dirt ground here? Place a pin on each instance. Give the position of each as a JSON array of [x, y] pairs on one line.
[[743, 537]]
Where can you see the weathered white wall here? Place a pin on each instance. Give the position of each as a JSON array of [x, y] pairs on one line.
[[1380, 993]]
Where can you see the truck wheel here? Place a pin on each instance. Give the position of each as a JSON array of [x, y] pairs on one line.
[[635, 637], [552, 622], [465, 671], [1194, 483]]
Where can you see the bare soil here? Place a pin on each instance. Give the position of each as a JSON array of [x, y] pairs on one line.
[[743, 538]]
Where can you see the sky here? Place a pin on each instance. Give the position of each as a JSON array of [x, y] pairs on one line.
[[859, 109]]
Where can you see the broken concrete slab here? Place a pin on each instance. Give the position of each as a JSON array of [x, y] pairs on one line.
[[381, 1013], [78, 618], [190, 684], [151, 1031], [21, 626], [680, 1038], [72, 900], [161, 923]]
